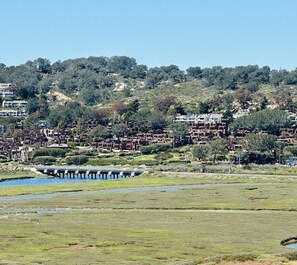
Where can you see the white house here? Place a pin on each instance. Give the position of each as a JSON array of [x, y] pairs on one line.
[[7, 94], [8, 86], [14, 104], [205, 118], [12, 113]]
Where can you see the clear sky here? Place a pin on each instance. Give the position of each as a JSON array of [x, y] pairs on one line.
[[155, 32]]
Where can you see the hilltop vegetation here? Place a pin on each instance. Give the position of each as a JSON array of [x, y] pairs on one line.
[[100, 81], [97, 80]]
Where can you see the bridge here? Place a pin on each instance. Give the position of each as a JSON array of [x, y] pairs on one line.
[[87, 173]]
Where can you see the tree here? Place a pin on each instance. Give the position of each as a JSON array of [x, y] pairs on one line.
[[260, 147], [119, 130], [121, 64], [179, 132], [285, 101], [133, 106], [163, 104], [259, 142], [218, 148], [103, 115], [119, 108], [200, 151], [31, 122], [194, 72], [138, 71], [100, 131], [263, 103], [43, 65], [157, 120], [154, 77], [204, 107], [270, 120], [243, 96]]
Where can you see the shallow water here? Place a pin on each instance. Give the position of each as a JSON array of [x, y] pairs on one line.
[[294, 246], [125, 190], [39, 181], [40, 211]]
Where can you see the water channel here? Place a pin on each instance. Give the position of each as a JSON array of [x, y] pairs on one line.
[[44, 181], [293, 246], [39, 181]]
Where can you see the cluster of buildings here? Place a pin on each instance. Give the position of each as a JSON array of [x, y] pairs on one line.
[[11, 107], [202, 129]]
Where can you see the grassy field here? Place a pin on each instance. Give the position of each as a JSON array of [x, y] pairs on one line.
[[236, 222], [13, 171]]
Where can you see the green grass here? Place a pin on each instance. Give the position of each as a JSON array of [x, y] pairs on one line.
[[133, 237], [153, 227], [14, 173], [145, 180]]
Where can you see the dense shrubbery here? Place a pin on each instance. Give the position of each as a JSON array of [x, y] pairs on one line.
[[44, 160], [54, 152], [155, 148], [270, 120], [76, 160]]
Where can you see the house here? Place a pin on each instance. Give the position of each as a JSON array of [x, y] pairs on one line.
[[215, 118], [14, 104], [186, 118], [12, 113], [202, 118], [42, 124], [8, 86], [7, 94]]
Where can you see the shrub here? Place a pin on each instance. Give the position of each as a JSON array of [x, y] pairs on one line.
[[76, 160], [290, 255], [55, 152], [44, 160], [155, 148]]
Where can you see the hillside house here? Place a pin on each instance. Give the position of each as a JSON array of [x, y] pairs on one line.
[[186, 118], [202, 118], [14, 104], [8, 86], [7, 94], [13, 113]]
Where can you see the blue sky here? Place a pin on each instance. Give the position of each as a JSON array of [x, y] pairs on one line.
[[155, 32]]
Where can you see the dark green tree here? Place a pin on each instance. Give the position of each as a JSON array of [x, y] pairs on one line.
[[179, 132], [200, 151], [219, 149]]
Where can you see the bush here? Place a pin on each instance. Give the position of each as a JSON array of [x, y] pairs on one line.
[[290, 255], [155, 148], [76, 160], [55, 152], [232, 258], [44, 160]]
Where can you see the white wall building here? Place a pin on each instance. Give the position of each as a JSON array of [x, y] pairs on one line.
[[14, 104], [8, 86], [205, 118], [13, 113], [7, 94]]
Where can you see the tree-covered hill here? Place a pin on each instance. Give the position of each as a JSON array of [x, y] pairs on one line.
[[101, 82]]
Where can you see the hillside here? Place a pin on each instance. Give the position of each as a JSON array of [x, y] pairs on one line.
[[116, 104], [97, 80]]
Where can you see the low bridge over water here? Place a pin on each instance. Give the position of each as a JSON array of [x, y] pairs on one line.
[[85, 173]]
